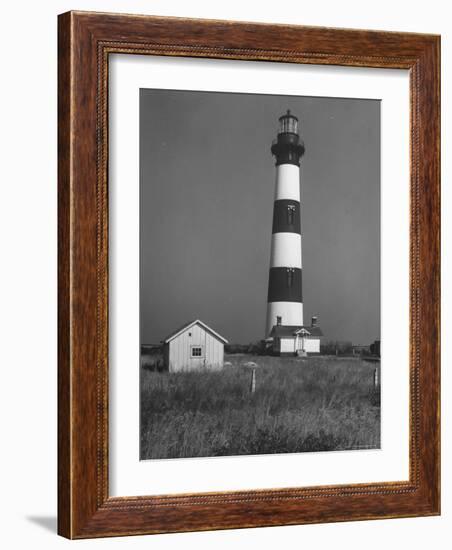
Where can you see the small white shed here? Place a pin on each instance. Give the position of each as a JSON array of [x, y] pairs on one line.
[[193, 346]]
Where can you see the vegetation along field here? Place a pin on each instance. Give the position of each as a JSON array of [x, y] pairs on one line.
[[313, 404]]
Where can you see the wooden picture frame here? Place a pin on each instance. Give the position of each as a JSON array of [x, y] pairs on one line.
[[85, 42]]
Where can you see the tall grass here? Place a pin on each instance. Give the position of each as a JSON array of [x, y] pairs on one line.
[[316, 404]]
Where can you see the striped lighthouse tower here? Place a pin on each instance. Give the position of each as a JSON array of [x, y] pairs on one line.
[[285, 299]]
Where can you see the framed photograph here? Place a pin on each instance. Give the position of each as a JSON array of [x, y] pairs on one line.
[[248, 275]]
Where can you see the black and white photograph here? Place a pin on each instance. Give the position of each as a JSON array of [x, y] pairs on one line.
[[259, 274]]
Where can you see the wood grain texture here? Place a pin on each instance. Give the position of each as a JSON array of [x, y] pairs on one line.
[[85, 42], [64, 295]]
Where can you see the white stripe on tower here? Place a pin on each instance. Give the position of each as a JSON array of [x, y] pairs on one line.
[[285, 301], [286, 250], [287, 182], [291, 311]]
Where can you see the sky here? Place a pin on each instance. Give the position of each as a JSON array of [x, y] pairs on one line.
[[207, 181]]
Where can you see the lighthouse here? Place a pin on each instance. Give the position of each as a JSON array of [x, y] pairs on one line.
[[285, 298]]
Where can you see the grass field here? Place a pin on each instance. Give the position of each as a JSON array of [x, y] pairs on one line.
[[313, 404]]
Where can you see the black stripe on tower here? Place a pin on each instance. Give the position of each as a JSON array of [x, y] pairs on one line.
[[286, 217], [288, 148], [284, 284]]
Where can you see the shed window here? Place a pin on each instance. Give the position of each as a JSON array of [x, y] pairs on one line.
[[196, 351]]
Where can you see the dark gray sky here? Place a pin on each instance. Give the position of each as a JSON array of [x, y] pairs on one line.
[[207, 184]]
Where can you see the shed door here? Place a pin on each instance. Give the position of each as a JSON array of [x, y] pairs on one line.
[[197, 355]]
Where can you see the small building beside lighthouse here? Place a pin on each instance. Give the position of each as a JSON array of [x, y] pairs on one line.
[[193, 346], [295, 340], [285, 331]]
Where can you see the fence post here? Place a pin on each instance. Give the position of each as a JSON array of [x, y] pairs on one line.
[[253, 381], [376, 378]]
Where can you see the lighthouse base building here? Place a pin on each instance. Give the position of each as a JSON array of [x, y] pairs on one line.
[[294, 340]]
